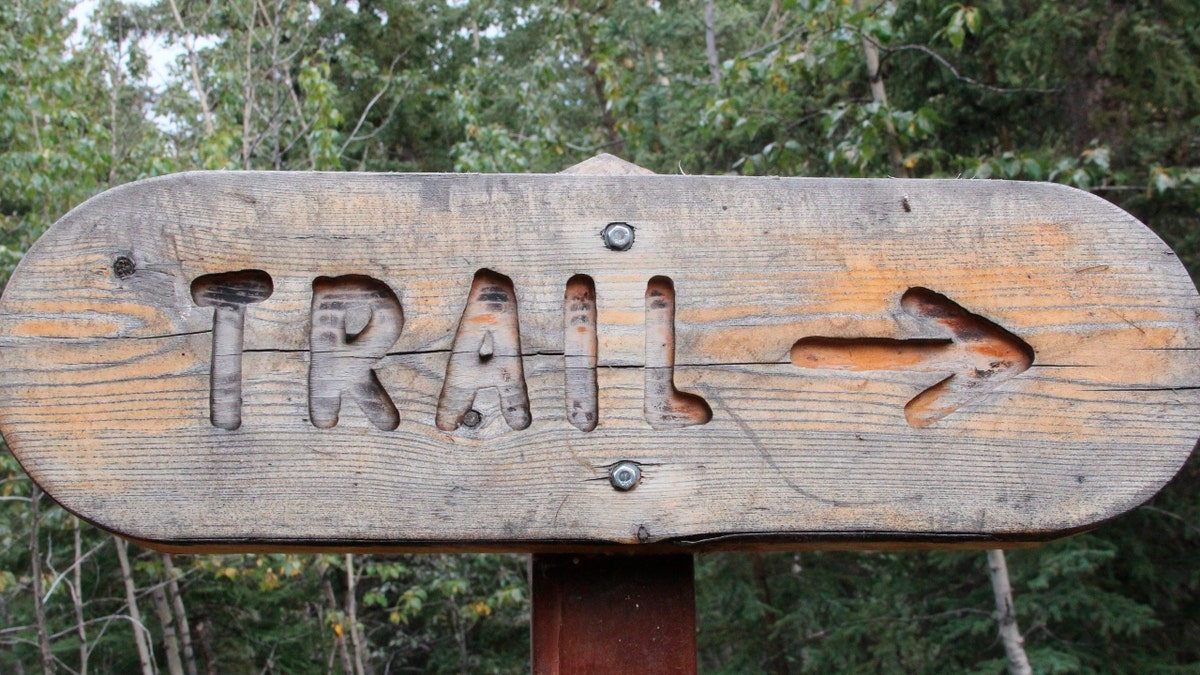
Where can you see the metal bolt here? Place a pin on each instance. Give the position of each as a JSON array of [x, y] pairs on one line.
[[624, 475], [123, 267], [618, 236], [472, 419]]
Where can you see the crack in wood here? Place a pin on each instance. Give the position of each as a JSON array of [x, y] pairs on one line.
[[1186, 387]]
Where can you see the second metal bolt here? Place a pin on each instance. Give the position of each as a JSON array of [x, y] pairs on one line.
[[624, 475], [618, 236]]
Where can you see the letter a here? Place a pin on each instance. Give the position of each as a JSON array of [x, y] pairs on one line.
[[486, 354]]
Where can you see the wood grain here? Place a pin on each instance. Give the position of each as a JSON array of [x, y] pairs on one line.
[[106, 396], [486, 355]]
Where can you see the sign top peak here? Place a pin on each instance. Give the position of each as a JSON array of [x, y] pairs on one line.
[[605, 164]]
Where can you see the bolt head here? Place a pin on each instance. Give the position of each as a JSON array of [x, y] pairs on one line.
[[472, 419], [624, 475], [618, 236]]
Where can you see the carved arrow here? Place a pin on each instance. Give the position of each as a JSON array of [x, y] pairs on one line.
[[979, 355]]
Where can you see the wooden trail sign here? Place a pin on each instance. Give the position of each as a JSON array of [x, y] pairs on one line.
[[214, 361]]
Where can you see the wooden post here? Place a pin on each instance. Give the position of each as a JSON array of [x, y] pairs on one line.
[[613, 613]]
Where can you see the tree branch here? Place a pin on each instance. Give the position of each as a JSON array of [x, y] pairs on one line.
[[189, 47], [889, 51], [772, 44], [1174, 516], [62, 575], [366, 111]]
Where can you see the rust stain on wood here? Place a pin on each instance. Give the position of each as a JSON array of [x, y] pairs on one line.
[[486, 355], [666, 407]]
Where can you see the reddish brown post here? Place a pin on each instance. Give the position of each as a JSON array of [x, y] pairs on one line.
[[613, 613]]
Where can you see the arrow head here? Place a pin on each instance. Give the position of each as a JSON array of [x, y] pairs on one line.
[[984, 356]]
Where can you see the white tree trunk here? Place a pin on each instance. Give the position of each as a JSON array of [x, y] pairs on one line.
[[1006, 614], [185, 633], [710, 41], [139, 628], [879, 95], [167, 621], [35, 556], [357, 639], [77, 599], [189, 45]]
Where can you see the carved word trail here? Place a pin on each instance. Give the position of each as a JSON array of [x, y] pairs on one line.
[[486, 353], [975, 354]]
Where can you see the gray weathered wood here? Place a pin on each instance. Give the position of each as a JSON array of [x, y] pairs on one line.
[[790, 326]]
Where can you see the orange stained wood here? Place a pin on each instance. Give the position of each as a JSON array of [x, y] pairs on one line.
[[666, 407], [458, 361], [976, 357], [486, 354]]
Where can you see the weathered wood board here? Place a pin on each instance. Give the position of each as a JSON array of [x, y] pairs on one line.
[[458, 360]]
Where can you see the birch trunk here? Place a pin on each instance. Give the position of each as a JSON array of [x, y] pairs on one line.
[[189, 45], [185, 632], [77, 599], [1010, 634], [879, 95], [357, 639], [139, 629], [710, 41], [167, 621], [35, 554]]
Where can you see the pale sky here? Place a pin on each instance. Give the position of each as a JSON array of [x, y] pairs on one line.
[[161, 56]]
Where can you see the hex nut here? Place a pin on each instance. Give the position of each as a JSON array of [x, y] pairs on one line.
[[624, 476], [618, 236]]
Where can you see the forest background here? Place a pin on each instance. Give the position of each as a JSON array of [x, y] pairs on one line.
[[1103, 95]]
